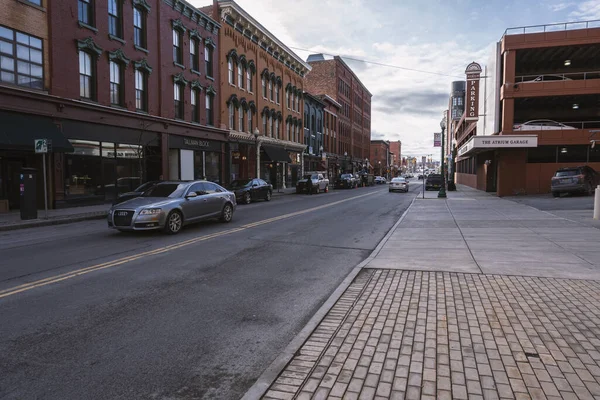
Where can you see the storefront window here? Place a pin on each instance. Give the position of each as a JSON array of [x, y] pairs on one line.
[[213, 166], [595, 153], [83, 171], [542, 154], [198, 165]]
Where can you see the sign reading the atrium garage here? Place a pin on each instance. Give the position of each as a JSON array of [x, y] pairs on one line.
[[473, 72]]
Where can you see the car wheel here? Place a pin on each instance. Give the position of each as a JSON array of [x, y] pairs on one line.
[[268, 196], [555, 194], [247, 198], [174, 223], [227, 213]]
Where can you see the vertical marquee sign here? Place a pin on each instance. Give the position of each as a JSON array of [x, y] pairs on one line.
[[473, 72]]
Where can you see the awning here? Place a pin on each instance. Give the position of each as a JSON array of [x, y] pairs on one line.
[[478, 144], [276, 154], [19, 131]]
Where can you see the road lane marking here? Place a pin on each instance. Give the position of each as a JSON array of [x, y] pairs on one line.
[[109, 264]]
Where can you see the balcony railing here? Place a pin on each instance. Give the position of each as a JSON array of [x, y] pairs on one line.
[[570, 76], [563, 26], [571, 125]]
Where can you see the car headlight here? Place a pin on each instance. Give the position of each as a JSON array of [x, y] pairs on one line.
[[151, 211]]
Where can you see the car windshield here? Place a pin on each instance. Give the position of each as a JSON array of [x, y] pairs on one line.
[[239, 183], [144, 186], [346, 176], [398, 180], [171, 190], [569, 172]]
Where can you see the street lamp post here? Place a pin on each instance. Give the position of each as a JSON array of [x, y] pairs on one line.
[[256, 133], [442, 192]]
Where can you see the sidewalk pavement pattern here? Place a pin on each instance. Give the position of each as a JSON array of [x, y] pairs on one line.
[[474, 297], [12, 220]]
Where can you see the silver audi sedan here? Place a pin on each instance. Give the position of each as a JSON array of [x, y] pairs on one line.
[[171, 205]]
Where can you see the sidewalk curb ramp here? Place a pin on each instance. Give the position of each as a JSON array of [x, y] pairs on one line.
[[270, 374]]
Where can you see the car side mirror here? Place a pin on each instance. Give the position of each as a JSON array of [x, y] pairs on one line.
[[191, 195]]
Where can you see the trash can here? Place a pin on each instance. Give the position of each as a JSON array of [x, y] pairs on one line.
[[27, 190]]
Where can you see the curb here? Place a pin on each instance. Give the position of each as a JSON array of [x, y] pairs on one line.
[[55, 221], [266, 379]]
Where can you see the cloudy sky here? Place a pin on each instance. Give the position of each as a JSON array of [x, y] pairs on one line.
[[437, 36]]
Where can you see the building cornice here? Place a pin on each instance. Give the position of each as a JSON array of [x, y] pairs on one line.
[[194, 14], [241, 21], [249, 138]]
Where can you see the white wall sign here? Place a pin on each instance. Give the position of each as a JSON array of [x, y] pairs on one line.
[[499, 142]]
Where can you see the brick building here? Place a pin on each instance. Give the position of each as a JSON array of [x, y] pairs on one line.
[[537, 111], [396, 149], [335, 79], [129, 96], [379, 157], [261, 93]]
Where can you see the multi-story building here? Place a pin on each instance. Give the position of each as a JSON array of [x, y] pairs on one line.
[[261, 98], [314, 115], [540, 96], [129, 95], [335, 79], [396, 148], [379, 157], [330, 138]]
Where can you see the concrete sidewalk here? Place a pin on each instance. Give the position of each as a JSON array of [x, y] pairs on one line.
[[473, 297]]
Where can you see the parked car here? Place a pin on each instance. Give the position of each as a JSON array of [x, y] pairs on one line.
[[575, 180], [249, 190], [346, 181], [398, 184], [433, 182], [541, 125], [421, 177], [171, 205], [135, 193], [319, 184], [380, 180]]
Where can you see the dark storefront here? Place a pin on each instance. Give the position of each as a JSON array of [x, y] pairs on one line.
[[273, 168], [191, 158]]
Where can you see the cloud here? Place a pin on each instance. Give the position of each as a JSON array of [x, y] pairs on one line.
[[559, 6], [586, 10]]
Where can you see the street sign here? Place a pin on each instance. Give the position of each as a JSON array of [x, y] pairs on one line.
[[437, 139], [41, 145]]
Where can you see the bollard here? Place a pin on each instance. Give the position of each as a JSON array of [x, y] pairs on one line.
[[597, 203]]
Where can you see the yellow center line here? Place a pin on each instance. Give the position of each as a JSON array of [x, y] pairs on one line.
[[82, 271]]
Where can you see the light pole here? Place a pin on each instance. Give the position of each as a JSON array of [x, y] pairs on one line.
[[442, 192], [256, 133]]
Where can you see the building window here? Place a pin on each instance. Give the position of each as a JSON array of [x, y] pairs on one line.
[[114, 18], [287, 99], [277, 128], [264, 87], [208, 54], [141, 99], [139, 27], [271, 89], [277, 94], [231, 73], [116, 72], [21, 59], [249, 80], [194, 56], [264, 123], [177, 49], [209, 110], [87, 78], [178, 97], [231, 116], [240, 70], [86, 11], [270, 126], [195, 105], [240, 119], [249, 120]]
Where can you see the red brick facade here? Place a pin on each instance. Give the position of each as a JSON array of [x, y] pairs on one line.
[[379, 156], [396, 148]]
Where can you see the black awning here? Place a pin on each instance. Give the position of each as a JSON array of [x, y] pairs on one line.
[[19, 131], [276, 154]]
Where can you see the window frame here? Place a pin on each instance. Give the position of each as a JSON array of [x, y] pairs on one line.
[[91, 76], [249, 120], [208, 61], [240, 75], [271, 90], [231, 116], [89, 15], [277, 93], [179, 104], [209, 107], [249, 80], [195, 105], [139, 32], [195, 54], [230, 72], [17, 45], [118, 19], [264, 86], [177, 48], [120, 100], [240, 119], [144, 91]]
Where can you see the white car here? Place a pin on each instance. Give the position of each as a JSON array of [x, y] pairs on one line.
[[398, 184], [545, 78], [540, 125], [380, 179]]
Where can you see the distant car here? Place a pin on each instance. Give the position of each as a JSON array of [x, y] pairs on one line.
[[136, 193], [319, 184], [544, 78], [379, 180], [575, 180], [398, 184], [421, 177], [346, 181], [249, 190], [433, 182], [541, 125], [171, 205]]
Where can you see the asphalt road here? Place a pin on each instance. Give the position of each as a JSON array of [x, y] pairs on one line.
[[87, 312]]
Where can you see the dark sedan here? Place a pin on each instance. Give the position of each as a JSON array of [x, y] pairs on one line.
[[249, 190], [433, 182], [137, 192], [346, 181]]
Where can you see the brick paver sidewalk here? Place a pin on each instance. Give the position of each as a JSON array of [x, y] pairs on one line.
[[440, 335]]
